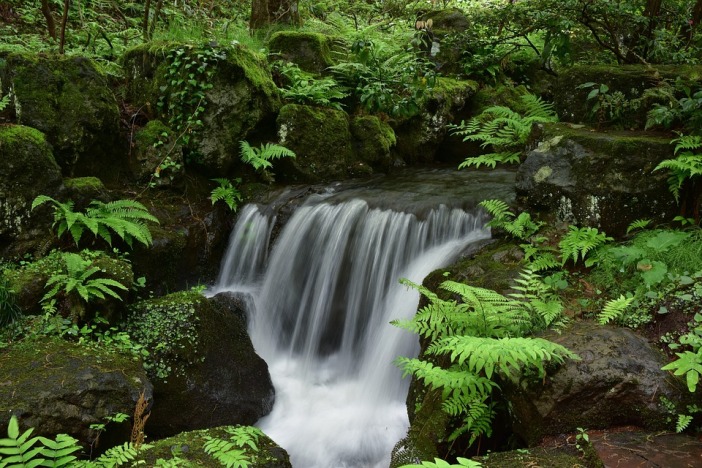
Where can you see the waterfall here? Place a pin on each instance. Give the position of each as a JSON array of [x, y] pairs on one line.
[[323, 301]]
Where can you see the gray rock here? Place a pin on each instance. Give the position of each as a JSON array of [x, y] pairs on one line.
[[618, 382], [603, 180]]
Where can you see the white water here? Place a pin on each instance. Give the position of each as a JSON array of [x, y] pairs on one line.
[[323, 302]]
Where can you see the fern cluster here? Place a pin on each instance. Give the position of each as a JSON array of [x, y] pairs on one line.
[[304, 88], [579, 242], [226, 192], [483, 336], [260, 158], [125, 218], [687, 165], [232, 452], [504, 130], [19, 450]]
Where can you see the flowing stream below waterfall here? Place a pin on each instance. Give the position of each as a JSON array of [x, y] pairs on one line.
[[322, 296]]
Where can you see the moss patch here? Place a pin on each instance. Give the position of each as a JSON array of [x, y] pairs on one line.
[[309, 50]]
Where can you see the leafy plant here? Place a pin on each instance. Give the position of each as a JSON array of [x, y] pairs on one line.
[[260, 158], [687, 165], [638, 224], [304, 88], [614, 309], [9, 311], [689, 364], [579, 242], [19, 450], [438, 463], [522, 227], [77, 280], [606, 105], [504, 130], [230, 452], [227, 193], [482, 337], [125, 218], [4, 102]]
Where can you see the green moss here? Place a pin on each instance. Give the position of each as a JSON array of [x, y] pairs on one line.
[[14, 134], [168, 327], [449, 87], [311, 51], [189, 446], [84, 184], [538, 456], [373, 140], [501, 95]]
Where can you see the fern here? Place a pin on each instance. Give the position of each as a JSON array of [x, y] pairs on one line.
[[59, 452], [613, 309], [503, 129], [439, 463], [260, 158], [77, 279], [18, 449], [227, 193], [4, 102], [245, 436], [126, 218], [688, 364], [115, 456], [579, 242], [686, 165], [225, 452], [637, 225], [683, 422], [521, 227]]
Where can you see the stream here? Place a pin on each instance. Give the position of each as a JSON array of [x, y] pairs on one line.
[[322, 294]]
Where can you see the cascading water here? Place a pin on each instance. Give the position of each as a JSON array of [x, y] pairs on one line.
[[322, 306]]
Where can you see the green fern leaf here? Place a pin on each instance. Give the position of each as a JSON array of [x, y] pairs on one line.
[[688, 364], [614, 308]]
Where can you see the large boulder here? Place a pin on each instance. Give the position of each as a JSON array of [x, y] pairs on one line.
[[59, 387], [27, 169], [372, 140], [617, 382], [603, 180], [203, 365], [189, 446], [308, 50], [321, 139], [239, 96], [419, 137], [70, 101], [630, 81]]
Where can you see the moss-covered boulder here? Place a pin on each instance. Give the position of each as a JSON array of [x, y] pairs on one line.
[[27, 169], [419, 138], [626, 86], [59, 387], [309, 50], [203, 365], [617, 382], [29, 281], [189, 446], [70, 101], [559, 456], [603, 180], [373, 139], [83, 190], [157, 156], [321, 139], [239, 96]]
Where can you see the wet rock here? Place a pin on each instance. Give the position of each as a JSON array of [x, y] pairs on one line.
[[59, 387], [632, 448], [203, 365], [27, 169], [157, 156], [619, 381], [70, 101], [189, 446], [603, 180], [373, 140]]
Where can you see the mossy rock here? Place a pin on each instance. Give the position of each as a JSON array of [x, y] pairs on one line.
[[59, 387], [310, 51], [544, 457], [157, 156], [419, 138], [321, 139], [189, 447], [603, 180], [201, 359], [444, 43], [28, 283], [70, 101], [83, 190], [243, 98], [373, 140], [572, 104], [27, 169]]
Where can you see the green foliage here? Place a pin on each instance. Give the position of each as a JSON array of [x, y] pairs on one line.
[[183, 98], [685, 110], [504, 130], [77, 280], [522, 227], [303, 88], [18, 450], [688, 364], [438, 463], [227, 193], [260, 158], [579, 242], [118, 455], [9, 311], [685, 166], [482, 336], [4, 101], [231, 452], [608, 106], [544, 307], [638, 224], [613, 309], [683, 422], [125, 218]]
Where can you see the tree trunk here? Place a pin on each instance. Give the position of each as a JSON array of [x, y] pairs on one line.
[[64, 20], [50, 23], [267, 12], [145, 22]]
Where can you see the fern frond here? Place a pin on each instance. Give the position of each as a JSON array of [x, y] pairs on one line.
[[687, 142], [226, 453], [638, 224], [497, 208], [446, 379], [579, 242], [683, 422], [614, 308]]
